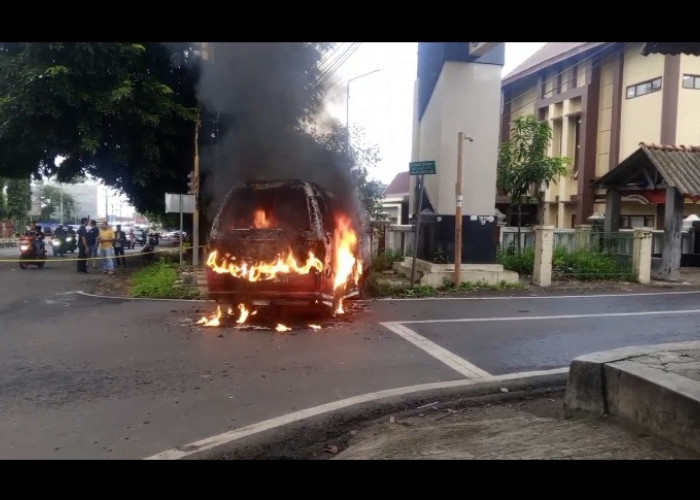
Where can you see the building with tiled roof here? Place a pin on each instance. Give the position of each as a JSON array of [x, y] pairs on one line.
[[602, 99]]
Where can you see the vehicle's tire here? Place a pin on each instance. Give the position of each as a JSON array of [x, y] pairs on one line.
[[40, 265], [23, 265]]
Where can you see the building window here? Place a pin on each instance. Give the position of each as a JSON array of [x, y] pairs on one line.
[[691, 82], [632, 221], [644, 88], [574, 77]]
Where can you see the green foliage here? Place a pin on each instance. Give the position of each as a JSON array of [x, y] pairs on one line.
[[19, 200], [385, 261], [158, 281], [522, 262], [122, 112], [523, 164], [588, 265], [578, 264]]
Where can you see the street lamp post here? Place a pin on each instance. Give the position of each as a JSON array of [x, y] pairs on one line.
[[347, 107], [458, 209]]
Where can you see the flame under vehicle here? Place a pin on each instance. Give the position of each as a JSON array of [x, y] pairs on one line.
[[283, 243]]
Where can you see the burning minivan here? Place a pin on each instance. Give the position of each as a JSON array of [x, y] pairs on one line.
[[283, 243]]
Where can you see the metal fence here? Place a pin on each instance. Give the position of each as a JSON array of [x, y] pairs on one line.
[[582, 255]]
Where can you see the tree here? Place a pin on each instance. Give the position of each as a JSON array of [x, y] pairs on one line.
[[524, 167], [19, 201], [50, 198], [361, 159], [121, 112]]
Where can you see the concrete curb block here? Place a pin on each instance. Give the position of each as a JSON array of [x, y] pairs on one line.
[[648, 394], [287, 435]]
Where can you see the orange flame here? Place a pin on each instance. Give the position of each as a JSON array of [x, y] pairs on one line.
[[345, 262], [281, 328], [314, 327], [244, 314], [261, 220], [213, 320], [263, 271]]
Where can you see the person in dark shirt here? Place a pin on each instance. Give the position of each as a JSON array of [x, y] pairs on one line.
[[119, 244], [92, 233], [83, 247]]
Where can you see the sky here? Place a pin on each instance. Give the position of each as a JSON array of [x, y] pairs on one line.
[[382, 78], [381, 103]]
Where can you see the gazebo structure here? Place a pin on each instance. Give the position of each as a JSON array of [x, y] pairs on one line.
[[662, 174]]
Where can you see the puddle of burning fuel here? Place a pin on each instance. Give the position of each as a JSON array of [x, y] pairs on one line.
[[281, 320]]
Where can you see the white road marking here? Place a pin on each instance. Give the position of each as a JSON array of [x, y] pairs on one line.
[[228, 437], [455, 362], [80, 292], [561, 316], [517, 297]]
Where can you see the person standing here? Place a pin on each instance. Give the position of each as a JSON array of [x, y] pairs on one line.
[[119, 244], [106, 243], [83, 247], [92, 234]]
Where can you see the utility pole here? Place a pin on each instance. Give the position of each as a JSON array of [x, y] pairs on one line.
[[347, 107], [458, 209]]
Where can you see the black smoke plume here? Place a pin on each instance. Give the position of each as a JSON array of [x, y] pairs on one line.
[[266, 100]]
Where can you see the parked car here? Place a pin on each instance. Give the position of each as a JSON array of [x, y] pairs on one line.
[[274, 242]]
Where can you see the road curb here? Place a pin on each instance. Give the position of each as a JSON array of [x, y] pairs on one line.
[[647, 385], [290, 434]]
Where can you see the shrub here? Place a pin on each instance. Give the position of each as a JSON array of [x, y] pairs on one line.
[[385, 260], [521, 263]]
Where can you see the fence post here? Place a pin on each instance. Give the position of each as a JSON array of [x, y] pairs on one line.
[[582, 238], [544, 247], [641, 254]]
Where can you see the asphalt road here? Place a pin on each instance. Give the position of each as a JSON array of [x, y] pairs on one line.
[[87, 377]]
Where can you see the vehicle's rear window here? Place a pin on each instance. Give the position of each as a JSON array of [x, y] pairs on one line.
[[267, 208]]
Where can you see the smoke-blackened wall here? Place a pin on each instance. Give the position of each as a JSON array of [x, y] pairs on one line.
[[266, 98]]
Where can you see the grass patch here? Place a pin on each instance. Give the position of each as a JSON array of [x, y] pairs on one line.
[[378, 287], [159, 281]]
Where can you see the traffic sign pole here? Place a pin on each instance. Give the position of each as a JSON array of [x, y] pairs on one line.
[[417, 231]]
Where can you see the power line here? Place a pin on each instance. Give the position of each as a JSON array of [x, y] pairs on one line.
[[341, 60]]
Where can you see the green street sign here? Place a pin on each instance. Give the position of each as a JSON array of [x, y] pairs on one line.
[[421, 167]]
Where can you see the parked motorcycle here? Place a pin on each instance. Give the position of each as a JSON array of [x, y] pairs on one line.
[[28, 255]]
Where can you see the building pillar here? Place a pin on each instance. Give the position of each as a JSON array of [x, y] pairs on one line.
[[613, 206], [673, 224], [544, 248], [582, 237], [641, 254]]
